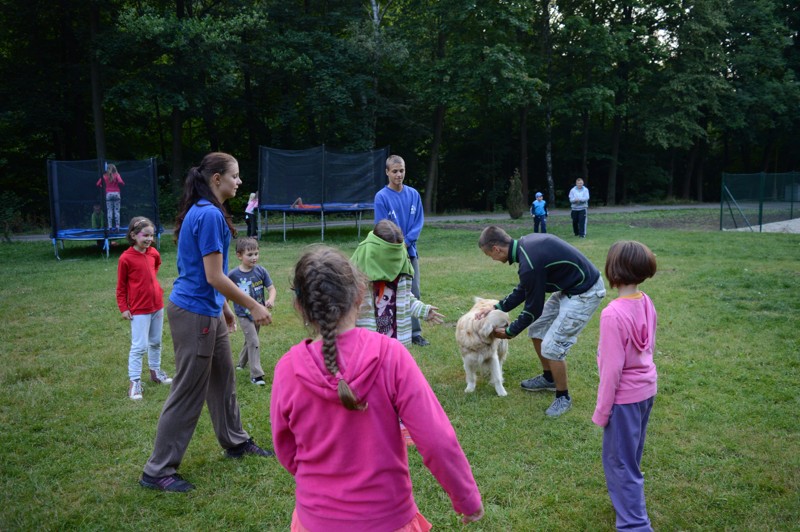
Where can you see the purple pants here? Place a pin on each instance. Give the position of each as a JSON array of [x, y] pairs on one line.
[[623, 443]]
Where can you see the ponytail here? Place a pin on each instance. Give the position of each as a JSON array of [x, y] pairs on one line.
[[197, 186]]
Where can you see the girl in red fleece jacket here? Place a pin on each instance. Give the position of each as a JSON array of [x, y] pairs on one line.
[[140, 299], [334, 409]]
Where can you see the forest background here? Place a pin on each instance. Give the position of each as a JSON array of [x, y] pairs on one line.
[[645, 100]]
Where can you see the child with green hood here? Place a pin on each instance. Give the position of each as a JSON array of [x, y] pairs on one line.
[[389, 304]]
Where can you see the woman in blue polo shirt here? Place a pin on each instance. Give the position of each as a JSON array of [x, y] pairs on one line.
[[199, 321]]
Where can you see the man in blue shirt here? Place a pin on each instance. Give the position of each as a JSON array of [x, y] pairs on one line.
[[401, 204]]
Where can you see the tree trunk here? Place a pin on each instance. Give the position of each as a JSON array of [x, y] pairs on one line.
[[585, 146], [250, 116], [671, 183], [611, 190], [177, 124], [700, 178], [377, 17], [177, 150], [523, 151], [547, 52], [97, 88], [429, 201], [770, 145], [687, 175], [620, 97], [210, 120], [160, 128], [548, 154]]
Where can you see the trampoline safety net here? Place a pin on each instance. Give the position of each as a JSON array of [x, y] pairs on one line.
[[75, 194], [319, 176]]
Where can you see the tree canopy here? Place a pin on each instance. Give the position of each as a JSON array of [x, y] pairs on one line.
[[643, 99]]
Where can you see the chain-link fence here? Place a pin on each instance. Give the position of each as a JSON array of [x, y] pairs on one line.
[[752, 200]]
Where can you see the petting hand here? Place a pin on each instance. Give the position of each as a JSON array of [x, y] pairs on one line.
[[500, 332], [434, 317], [482, 314]]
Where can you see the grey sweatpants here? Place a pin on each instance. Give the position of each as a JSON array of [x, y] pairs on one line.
[[203, 373], [250, 355]]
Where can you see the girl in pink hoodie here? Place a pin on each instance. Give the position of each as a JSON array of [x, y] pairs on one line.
[[627, 380], [334, 409]]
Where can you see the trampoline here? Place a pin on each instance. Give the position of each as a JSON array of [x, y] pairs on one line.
[[328, 182], [357, 209], [75, 197]]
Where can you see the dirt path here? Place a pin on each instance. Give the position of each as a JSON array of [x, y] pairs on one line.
[[700, 221]]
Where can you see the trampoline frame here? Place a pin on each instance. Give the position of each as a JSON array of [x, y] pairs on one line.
[[331, 208]]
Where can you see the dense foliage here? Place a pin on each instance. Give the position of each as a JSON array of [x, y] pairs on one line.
[[644, 99]]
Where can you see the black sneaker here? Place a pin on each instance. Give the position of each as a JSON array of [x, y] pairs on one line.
[[258, 381], [172, 482], [248, 447], [419, 340]]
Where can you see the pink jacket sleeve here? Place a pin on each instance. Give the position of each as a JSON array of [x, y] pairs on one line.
[[610, 361], [282, 437], [434, 436]]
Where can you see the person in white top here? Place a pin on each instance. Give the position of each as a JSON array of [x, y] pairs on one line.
[[579, 202]]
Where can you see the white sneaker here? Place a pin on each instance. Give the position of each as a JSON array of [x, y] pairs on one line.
[[135, 390], [159, 377]]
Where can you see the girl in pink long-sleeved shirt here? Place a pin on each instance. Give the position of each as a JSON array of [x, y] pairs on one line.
[[112, 181], [627, 380], [334, 409]]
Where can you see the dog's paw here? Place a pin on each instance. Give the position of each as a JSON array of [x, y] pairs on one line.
[[500, 391], [470, 388]]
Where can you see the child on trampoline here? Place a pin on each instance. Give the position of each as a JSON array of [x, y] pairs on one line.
[[253, 280], [112, 181], [334, 407], [140, 299], [298, 204]]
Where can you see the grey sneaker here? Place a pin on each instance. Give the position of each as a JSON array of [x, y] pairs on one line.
[[159, 377], [559, 406], [538, 384]]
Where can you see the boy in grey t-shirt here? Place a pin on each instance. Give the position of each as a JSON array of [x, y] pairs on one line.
[[254, 280]]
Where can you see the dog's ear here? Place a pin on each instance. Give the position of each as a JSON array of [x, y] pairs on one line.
[[486, 326]]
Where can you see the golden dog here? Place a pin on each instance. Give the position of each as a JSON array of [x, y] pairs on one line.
[[479, 349]]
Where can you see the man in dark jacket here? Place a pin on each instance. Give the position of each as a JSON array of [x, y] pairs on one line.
[[546, 264]]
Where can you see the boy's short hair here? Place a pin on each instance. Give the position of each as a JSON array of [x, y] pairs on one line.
[[629, 262], [246, 244], [493, 236], [394, 159]]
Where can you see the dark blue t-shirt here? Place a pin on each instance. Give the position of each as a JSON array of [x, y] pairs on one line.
[[252, 283]]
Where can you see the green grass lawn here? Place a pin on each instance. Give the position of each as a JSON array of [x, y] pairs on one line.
[[722, 453]]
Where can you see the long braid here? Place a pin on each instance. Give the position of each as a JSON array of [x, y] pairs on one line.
[[327, 288]]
